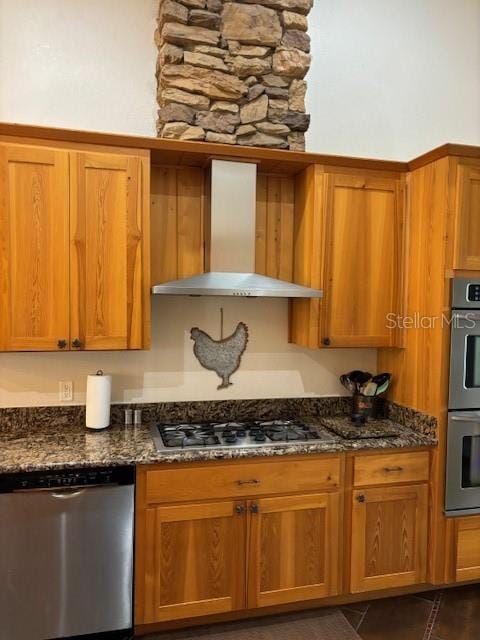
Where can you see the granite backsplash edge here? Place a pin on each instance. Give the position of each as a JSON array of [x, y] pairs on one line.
[[26, 419]]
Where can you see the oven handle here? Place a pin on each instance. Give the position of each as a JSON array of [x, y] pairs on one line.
[[466, 418], [469, 315]]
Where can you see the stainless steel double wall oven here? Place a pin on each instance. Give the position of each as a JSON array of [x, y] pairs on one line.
[[462, 495]]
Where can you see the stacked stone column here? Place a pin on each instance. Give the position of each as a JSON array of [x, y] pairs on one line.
[[233, 72]]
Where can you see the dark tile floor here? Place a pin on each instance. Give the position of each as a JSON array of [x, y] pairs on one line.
[[450, 614]]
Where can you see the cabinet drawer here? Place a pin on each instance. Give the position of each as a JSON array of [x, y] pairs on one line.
[[239, 480], [391, 468]]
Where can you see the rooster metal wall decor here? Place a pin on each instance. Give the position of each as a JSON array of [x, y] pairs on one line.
[[222, 356]]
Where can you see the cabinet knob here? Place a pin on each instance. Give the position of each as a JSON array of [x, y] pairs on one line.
[[361, 498], [61, 344], [240, 509], [326, 342], [76, 343], [254, 508]]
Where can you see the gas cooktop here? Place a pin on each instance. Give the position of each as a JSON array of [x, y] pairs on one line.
[[226, 435]]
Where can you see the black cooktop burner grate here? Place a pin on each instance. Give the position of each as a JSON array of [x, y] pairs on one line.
[[249, 433]]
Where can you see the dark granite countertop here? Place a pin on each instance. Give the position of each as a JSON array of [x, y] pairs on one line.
[[56, 446]]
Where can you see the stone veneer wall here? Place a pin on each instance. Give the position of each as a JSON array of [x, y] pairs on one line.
[[232, 72]]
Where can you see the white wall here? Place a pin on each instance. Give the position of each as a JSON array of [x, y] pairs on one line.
[[393, 78], [79, 64], [389, 79]]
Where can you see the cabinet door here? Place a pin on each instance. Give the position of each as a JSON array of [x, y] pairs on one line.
[[389, 537], [108, 299], [293, 549], [468, 548], [34, 260], [194, 560], [468, 217], [362, 261]]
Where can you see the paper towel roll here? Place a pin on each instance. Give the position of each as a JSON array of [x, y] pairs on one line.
[[99, 391]]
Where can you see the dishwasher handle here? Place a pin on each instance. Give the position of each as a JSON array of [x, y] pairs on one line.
[[67, 494]]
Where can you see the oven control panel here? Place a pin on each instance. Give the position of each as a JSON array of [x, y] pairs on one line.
[[473, 292], [465, 293]]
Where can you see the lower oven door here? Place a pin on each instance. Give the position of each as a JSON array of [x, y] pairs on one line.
[[465, 360], [462, 492]]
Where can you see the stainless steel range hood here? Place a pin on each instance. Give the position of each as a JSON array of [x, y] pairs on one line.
[[230, 243]]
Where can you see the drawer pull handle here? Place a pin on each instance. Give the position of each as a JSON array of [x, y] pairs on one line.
[[390, 469], [253, 481]]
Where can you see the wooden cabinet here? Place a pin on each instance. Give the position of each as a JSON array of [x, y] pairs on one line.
[[293, 549], [108, 299], [349, 242], [467, 564], [74, 251], [178, 223], [194, 558], [391, 468], [467, 245], [34, 248], [201, 549], [362, 260], [389, 537]]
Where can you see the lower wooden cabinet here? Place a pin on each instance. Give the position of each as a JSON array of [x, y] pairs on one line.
[[203, 556], [389, 537], [293, 549], [214, 538], [467, 565], [194, 560]]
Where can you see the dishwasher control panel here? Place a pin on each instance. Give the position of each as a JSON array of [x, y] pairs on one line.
[[65, 478]]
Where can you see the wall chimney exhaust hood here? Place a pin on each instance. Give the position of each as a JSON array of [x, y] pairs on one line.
[[230, 243]]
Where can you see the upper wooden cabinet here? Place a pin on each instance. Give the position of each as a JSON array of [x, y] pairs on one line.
[[178, 221], [74, 251], [348, 242], [107, 262], [34, 253], [467, 215]]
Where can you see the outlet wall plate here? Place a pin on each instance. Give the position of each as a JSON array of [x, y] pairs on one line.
[[65, 390]]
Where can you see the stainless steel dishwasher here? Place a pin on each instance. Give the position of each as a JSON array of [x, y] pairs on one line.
[[66, 553]]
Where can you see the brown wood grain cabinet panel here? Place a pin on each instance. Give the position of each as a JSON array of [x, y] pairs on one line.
[[293, 548], [309, 250], [420, 370], [107, 266], [34, 251], [349, 242], [195, 558], [391, 468], [274, 226], [467, 248], [242, 480], [468, 548], [389, 537], [364, 227]]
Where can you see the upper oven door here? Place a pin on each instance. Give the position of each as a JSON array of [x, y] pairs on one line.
[[465, 360]]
